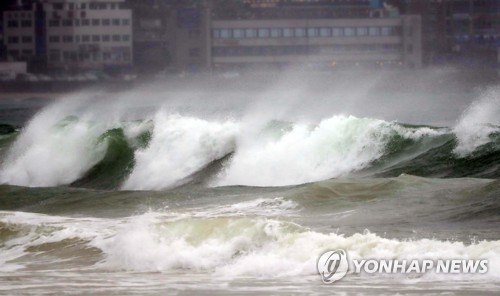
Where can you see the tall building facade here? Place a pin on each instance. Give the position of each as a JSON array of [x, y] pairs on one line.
[[323, 43], [72, 35], [19, 34], [88, 34], [173, 35], [459, 32]]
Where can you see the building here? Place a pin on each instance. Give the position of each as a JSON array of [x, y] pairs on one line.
[[88, 34], [171, 35], [474, 28], [435, 41], [458, 32], [294, 9], [76, 35], [198, 35], [19, 34], [324, 43]]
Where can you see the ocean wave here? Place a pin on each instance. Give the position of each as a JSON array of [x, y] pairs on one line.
[[224, 246], [67, 145]]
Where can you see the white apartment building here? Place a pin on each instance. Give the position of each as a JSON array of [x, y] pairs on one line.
[[19, 34], [88, 33], [72, 34]]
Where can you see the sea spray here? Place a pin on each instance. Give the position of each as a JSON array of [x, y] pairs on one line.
[[478, 122]]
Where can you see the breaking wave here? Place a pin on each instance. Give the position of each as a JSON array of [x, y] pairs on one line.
[[68, 145], [226, 246]]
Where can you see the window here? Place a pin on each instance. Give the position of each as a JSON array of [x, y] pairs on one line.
[[58, 6], [225, 33], [116, 38], [386, 31], [312, 32], [27, 52], [55, 55], [77, 38], [85, 22], [337, 32], [263, 33], [69, 56], [276, 32], [77, 22], [86, 38], [54, 23], [126, 38], [106, 22], [27, 39], [349, 32], [374, 31], [251, 33], [96, 38], [67, 39], [216, 34], [361, 31], [67, 23], [125, 22], [106, 56], [13, 39], [12, 24], [239, 33], [116, 22], [26, 23], [96, 22], [288, 32], [106, 38], [300, 32], [84, 56], [54, 39], [325, 32], [83, 6], [13, 53]]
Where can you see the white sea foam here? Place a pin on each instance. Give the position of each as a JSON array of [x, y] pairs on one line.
[[335, 147], [224, 246], [54, 149], [231, 247], [179, 147]]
